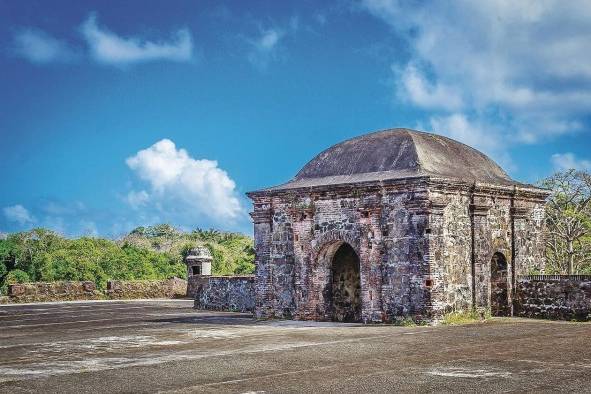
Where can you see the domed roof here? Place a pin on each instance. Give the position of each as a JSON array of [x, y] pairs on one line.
[[397, 154]]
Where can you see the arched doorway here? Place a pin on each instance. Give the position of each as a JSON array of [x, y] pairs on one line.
[[346, 285], [499, 303]]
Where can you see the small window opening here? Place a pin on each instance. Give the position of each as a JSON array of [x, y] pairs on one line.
[[427, 231], [428, 282], [196, 270], [365, 214]]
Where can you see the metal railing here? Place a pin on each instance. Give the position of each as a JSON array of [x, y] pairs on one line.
[[554, 277]]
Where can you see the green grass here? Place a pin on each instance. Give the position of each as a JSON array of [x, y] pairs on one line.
[[464, 317]]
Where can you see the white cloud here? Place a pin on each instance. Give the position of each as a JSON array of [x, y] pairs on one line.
[[108, 48], [19, 214], [529, 61], [39, 47], [416, 88], [137, 199], [179, 181], [567, 161]]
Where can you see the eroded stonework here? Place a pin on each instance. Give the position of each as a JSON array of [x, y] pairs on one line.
[[424, 241]]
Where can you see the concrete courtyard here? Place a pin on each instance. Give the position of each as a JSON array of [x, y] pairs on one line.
[[166, 346]]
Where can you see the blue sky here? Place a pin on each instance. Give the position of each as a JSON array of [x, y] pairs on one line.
[[118, 114]]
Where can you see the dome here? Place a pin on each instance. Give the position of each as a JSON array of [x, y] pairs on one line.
[[198, 253], [397, 154]]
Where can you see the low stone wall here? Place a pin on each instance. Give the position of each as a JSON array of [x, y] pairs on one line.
[[129, 289], [52, 291], [116, 289], [564, 297], [223, 293]]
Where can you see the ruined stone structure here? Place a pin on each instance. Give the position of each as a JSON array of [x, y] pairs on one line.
[[395, 224]]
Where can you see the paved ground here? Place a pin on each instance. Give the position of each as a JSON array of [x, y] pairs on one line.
[[151, 346]]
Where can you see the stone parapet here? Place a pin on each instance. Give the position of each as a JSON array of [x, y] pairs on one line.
[[52, 291], [129, 289]]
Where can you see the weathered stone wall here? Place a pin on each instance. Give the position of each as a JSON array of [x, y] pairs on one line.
[[296, 238], [223, 293], [405, 290], [450, 251], [564, 297], [130, 289], [52, 291]]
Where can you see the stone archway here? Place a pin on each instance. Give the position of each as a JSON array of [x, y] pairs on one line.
[[346, 285], [499, 287]]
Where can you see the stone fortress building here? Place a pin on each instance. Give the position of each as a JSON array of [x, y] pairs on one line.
[[395, 224]]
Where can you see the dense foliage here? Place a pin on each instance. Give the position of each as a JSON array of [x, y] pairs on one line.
[[154, 252]]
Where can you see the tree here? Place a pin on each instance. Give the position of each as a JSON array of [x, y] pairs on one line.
[[568, 218], [153, 252]]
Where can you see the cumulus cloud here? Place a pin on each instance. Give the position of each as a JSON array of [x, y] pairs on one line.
[[178, 181], [18, 214], [39, 47], [567, 161], [108, 48], [528, 62]]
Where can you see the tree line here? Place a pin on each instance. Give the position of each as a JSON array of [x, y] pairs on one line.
[[154, 252]]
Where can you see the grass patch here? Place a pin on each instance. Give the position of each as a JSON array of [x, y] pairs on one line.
[[405, 322], [464, 317]]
